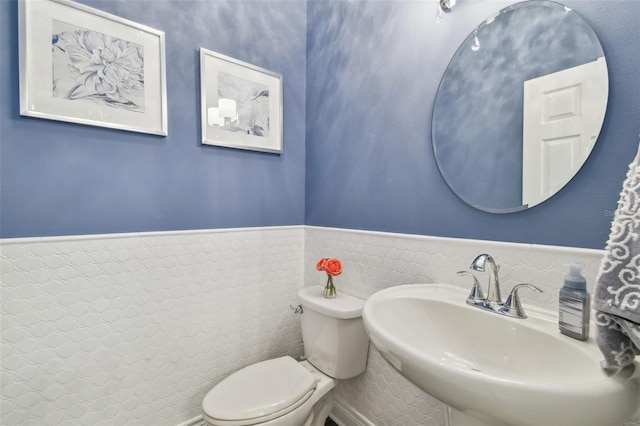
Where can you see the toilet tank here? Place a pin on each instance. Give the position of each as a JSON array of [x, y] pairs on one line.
[[333, 333]]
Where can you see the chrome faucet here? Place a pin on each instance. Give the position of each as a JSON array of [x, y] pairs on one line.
[[493, 302], [493, 291]]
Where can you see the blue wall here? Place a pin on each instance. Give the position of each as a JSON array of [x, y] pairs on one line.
[[60, 178], [370, 70], [373, 70]]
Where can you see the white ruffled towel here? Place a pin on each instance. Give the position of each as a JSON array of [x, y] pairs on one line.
[[617, 292]]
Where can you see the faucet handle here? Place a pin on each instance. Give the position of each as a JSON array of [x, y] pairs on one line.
[[512, 306], [476, 292]]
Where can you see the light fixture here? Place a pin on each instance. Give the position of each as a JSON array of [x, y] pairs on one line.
[[444, 6], [475, 46], [213, 117], [447, 5], [224, 114]]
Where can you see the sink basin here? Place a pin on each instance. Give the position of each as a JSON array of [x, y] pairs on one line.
[[496, 369]]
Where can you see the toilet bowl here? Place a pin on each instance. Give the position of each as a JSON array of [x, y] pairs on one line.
[[285, 392], [280, 391]]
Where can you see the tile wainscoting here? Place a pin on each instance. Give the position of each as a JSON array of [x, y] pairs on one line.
[[132, 329]]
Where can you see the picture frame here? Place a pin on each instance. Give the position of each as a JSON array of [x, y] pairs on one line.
[[241, 104], [61, 78]]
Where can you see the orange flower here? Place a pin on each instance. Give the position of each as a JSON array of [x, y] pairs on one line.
[[321, 264], [333, 267]]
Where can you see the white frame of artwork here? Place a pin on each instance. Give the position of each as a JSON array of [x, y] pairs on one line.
[[37, 19], [213, 131]]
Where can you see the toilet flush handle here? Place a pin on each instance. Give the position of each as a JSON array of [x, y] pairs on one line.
[[297, 309]]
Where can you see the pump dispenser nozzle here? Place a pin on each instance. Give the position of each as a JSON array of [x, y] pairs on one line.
[[575, 279]]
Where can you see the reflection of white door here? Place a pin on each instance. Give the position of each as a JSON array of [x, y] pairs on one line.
[[563, 113]]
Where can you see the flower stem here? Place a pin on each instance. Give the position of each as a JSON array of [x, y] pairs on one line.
[[329, 290]]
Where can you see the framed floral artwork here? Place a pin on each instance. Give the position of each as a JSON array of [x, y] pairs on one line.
[[85, 66], [241, 104]]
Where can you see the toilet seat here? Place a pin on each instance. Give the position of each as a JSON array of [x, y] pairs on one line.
[[259, 392]]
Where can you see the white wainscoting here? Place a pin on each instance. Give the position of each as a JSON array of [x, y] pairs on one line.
[[133, 329]]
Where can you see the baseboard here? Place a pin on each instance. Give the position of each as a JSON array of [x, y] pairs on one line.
[[344, 414]]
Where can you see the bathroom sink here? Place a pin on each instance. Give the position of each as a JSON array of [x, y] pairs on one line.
[[496, 369]]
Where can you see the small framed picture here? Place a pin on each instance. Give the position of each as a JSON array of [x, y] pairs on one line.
[[241, 104], [85, 66]]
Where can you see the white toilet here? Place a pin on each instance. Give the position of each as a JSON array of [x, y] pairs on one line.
[[285, 392]]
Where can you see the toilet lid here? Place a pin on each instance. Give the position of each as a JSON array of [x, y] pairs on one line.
[[259, 390]]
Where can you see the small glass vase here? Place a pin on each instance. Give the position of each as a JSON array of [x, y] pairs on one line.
[[330, 289]]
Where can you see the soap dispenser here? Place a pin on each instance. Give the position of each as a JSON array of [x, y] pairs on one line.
[[575, 304]]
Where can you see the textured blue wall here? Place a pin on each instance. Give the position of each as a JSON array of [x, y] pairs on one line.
[[373, 70], [60, 178]]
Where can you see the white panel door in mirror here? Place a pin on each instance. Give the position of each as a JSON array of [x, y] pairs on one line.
[[563, 113]]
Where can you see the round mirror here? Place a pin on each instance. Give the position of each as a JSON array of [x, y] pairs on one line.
[[520, 106]]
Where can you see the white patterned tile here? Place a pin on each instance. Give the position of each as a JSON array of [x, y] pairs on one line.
[[134, 329]]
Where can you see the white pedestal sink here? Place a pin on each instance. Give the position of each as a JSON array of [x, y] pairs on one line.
[[495, 369]]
